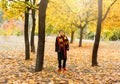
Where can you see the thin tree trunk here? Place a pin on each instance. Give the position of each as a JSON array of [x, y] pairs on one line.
[[33, 29], [26, 35], [72, 36], [97, 37], [41, 35], [81, 36]]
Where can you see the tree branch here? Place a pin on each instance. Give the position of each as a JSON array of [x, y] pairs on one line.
[[108, 10], [68, 7], [85, 25], [76, 25], [92, 20], [80, 19]]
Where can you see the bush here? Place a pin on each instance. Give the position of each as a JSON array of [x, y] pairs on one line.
[[115, 36], [91, 35], [111, 35], [19, 33]]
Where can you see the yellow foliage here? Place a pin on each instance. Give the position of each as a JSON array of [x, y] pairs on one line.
[[113, 18], [63, 13], [8, 32]]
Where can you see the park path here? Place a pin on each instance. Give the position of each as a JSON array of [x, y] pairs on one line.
[[14, 69]]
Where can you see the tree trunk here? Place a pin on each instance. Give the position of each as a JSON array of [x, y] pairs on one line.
[[41, 35], [72, 36], [33, 29], [81, 36], [97, 37], [26, 35]]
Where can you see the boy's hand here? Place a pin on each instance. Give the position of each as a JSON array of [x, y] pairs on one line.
[[67, 48], [58, 50]]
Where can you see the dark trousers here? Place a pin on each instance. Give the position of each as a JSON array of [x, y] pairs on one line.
[[60, 62], [60, 59]]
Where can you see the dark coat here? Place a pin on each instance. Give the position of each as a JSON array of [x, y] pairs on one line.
[[62, 46]]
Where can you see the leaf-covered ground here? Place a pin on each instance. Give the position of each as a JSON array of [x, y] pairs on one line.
[[15, 70]]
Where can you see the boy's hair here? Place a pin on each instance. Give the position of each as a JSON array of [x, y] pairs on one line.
[[61, 30]]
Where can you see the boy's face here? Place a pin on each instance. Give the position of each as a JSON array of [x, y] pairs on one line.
[[61, 33]]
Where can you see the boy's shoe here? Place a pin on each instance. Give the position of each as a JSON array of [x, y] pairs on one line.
[[59, 70], [64, 69]]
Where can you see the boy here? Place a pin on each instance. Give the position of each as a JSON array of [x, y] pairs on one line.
[[61, 47]]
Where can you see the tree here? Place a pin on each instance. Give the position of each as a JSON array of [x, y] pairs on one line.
[[67, 13], [41, 35], [26, 35], [72, 36], [84, 18], [59, 17], [98, 31], [33, 29], [15, 9]]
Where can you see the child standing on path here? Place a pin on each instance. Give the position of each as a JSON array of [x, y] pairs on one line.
[[61, 47]]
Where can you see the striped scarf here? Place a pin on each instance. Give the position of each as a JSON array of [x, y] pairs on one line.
[[63, 41]]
